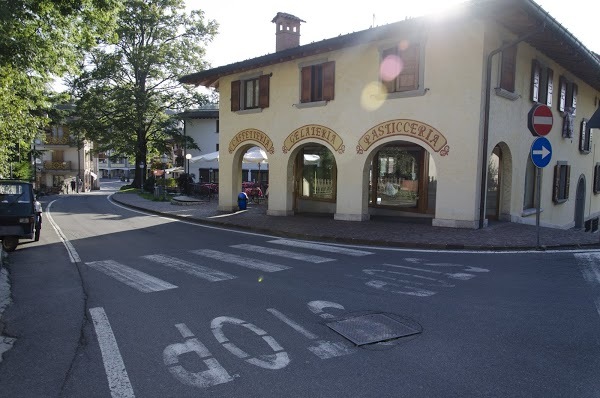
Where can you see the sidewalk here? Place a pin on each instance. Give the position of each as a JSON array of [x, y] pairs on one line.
[[378, 231]]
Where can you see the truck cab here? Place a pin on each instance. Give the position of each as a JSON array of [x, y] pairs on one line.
[[17, 213]]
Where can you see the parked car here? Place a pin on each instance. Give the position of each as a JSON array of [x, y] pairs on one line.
[[18, 216]]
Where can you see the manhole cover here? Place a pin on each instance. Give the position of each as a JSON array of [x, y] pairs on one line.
[[371, 328]]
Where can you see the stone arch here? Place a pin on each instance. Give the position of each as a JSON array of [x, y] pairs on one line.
[[499, 183]]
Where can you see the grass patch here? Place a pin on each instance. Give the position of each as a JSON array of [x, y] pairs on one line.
[[144, 194]]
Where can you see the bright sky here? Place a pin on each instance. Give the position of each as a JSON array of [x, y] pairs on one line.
[[246, 30]]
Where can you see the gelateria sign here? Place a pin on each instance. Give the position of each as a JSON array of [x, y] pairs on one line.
[[252, 135], [314, 131], [405, 127]]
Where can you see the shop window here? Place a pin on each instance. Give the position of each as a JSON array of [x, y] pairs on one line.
[[585, 137], [250, 93], [400, 68], [508, 69], [560, 192], [319, 174], [596, 187], [317, 82], [542, 85]]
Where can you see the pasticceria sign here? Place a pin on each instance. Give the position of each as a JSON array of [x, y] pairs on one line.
[[314, 131], [404, 127], [252, 135]]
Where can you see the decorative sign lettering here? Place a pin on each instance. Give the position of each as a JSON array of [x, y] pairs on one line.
[[404, 127], [252, 135], [314, 131]]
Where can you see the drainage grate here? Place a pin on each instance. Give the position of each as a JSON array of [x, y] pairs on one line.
[[372, 328]]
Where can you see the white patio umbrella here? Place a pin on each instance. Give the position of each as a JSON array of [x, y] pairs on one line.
[[254, 155]]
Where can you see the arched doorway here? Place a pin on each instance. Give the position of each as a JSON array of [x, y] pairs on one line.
[[402, 177], [315, 180], [494, 182], [580, 203]]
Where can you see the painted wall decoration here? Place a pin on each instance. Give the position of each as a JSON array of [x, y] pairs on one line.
[[252, 135], [404, 127], [314, 131]]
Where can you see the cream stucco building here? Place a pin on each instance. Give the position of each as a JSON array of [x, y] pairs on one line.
[[427, 117]]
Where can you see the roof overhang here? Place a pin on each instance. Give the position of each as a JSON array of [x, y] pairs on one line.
[[518, 16]]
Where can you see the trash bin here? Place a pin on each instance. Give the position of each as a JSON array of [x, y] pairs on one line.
[[242, 200]]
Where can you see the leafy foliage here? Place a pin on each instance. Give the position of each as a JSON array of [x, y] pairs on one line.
[[127, 88], [39, 40]]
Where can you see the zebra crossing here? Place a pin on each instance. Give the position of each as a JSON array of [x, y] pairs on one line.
[[146, 283]]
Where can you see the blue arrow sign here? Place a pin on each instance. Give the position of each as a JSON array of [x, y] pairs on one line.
[[541, 152]]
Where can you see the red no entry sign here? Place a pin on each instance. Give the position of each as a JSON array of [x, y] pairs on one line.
[[539, 120]]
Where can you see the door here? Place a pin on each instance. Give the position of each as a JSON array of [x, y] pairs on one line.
[[580, 203]]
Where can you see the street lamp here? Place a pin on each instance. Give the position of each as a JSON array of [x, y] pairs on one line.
[[142, 173], [188, 156], [163, 160]]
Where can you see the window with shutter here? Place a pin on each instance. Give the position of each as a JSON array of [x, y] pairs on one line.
[[400, 68], [560, 192], [317, 82], [535, 80], [549, 86], [597, 179], [508, 69], [585, 137], [572, 96], [250, 93]]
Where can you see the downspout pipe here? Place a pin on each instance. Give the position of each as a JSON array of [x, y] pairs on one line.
[[486, 118]]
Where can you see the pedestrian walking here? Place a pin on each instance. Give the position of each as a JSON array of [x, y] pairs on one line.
[[72, 185], [66, 186]]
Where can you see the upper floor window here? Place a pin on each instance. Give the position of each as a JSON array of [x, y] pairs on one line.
[[567, 95], [399, 67], [317, 82], [252, 93], [508, 68], [585, 137], [542, 83]]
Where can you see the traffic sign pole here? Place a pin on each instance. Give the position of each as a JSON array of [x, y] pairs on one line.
[[541, 154], [538, 176]]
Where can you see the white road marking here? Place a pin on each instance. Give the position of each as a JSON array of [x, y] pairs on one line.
[[118, 380], [323, 349], [458, 275], [279, 360], [321, 247], [215, 374], [73, 255], [421, 280], [241, 261], [316, 307], [591, 269], [283, 253], [136, 279], [597, 302], [400, 289], [190, 268]]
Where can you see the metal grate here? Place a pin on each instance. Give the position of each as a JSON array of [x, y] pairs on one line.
[[372, 328]]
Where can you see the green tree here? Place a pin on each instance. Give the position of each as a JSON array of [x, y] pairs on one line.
[[39, 41], [126, 89]]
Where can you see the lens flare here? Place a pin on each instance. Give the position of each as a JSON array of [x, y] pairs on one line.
[[373, 95], [391, 67]]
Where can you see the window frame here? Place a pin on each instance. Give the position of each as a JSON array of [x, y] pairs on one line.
[[400, 91], [508, 69], [585, 137], [561, 182], [317, 82], [542, 83], [260, 96], [596, 185]]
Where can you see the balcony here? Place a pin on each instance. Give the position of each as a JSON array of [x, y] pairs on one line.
[[54, 140], [54, 165]]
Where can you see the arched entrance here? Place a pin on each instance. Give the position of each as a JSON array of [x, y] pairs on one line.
[[494, 182], [402, 177], [315, 179], [580, 203]]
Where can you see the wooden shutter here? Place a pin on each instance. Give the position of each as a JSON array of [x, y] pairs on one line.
[[562, 93], [390, 85], [567, 181], [549, 86], [508, 68], [535, 80], [582, 136], [305, 84], [328, 81], [573, 97], [263, 88], [235, 95], [556, 187], [596, 179]]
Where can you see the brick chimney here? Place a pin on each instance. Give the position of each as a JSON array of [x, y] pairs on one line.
[[287, 34]]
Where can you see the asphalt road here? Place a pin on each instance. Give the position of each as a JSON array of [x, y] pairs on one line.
[[116, 302]]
